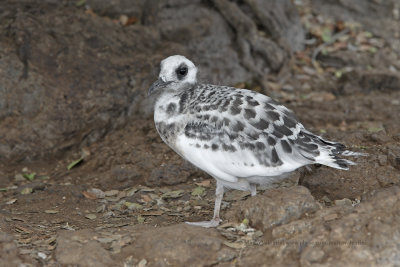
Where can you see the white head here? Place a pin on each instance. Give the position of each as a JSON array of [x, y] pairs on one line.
[[176, 72]]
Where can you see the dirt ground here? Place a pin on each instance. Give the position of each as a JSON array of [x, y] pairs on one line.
[[122, 199]]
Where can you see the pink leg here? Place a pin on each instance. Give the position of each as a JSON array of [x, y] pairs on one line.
[[219, 193]]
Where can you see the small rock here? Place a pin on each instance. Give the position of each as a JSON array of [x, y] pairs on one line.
[[97, 192], [11, 201], [51, 211], [133, 206], [314, 255], [225, 255], [90, 216], [142, 263], [19, 177], [275, 207], [192, 246], [123, 19], [101, 208], [288, 87], [71, 252], [343, 202], [42, 255], [327, 200]]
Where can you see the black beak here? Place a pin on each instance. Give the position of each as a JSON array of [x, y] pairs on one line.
[[159, 84]]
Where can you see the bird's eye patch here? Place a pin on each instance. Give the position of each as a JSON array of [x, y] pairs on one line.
[[181, 71]]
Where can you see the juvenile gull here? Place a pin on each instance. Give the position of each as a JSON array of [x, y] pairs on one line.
[[240, 137]]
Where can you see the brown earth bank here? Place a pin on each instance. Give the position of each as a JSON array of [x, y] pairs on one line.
[[85, 179]]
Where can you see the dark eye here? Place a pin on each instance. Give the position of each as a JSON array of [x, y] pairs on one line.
[[181, 71]]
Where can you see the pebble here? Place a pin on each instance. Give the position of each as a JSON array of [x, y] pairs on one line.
[[42, 255], [97, 192], [315, 255], [326, 200], [343, 202], [131, 192], [19, 177], [90, 216], [11, 201], [111, 193], [173, 194], [133, 206], [51, 211], [142, 263]]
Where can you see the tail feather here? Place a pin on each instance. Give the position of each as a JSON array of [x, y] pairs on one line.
[[331, 160], [331, 153]]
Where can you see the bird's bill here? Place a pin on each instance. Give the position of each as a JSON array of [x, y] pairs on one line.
[[159, 84]]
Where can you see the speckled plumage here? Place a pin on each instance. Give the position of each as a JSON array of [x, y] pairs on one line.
[[240, 137]]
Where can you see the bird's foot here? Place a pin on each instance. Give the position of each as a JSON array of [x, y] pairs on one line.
[[206, 224]]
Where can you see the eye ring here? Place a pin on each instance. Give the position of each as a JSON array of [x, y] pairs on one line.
[[182, 71]]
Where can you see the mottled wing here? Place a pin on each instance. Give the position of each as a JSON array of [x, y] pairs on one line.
[[240, 133]]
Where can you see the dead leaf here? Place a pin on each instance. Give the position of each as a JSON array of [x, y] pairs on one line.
[[140, 219], [146, 198], [21, 229], [153, 213], [205, 183], [111, 193], [89, 195], [26, 190], [96, 192], [74, 163], [199, 191], [173, 194], [133, 205], [11, 201]]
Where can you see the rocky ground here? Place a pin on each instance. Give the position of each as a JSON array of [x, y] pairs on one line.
[[85, 179]]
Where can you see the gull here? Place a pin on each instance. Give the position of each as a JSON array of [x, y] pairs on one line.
[[239, 137]]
